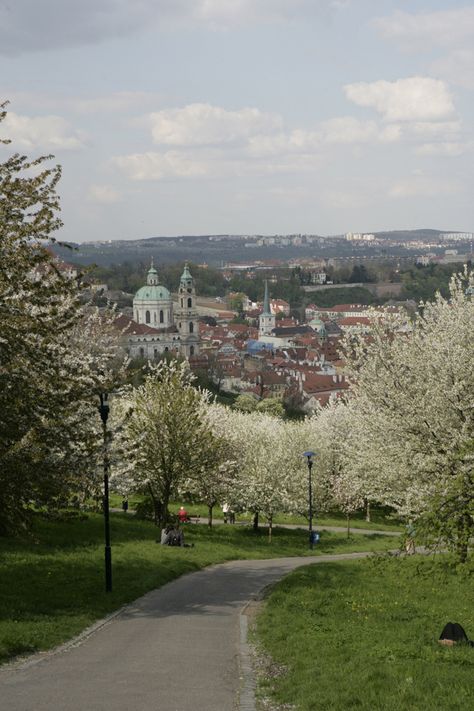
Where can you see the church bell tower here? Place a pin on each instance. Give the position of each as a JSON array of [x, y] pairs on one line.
[[186, 316]]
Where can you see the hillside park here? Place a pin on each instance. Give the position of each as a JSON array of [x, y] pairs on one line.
[[336, 633]]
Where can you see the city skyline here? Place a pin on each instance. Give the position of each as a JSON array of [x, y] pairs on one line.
[[239, 117]]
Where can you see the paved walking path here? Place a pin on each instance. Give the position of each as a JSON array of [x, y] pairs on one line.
[[178, 648]]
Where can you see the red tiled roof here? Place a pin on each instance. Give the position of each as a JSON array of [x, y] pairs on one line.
[[315, 383], [132, 328], [354, 321]]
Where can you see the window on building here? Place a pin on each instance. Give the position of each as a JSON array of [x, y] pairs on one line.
[[155, 353], [191, 350], [142, 352], [191, 327], [166, 349], [162, 317], [190, 302], [182, 303], [147, 317]]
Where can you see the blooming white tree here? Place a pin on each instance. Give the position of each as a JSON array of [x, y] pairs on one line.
[[45, 380], [413, 421], [166, 436], [268, 471], [337, 484], [215, 479]]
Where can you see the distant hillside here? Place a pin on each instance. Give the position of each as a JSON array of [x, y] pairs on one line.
[[424, 233], [217, 250]]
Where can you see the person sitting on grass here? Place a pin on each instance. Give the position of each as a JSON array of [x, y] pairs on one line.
[[183, 516], [166, 534], [453, 634], [174, 536]]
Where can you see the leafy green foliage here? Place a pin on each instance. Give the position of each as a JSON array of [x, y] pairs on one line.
[[130, 276], [343, 295], [421, 283]]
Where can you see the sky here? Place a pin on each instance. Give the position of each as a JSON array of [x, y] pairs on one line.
[[175, 117]]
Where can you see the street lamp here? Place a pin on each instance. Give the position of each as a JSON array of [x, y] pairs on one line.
[[309, 458], [104, 415]]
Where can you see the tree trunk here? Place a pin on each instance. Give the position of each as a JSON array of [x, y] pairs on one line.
[[367, 510], [209, 516], [462, 543], [348, 520], [255, 522], [270, 528], [157, 508]]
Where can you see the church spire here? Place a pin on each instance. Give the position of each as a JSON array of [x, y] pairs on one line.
[[152, 276], [266, 302], [266, 320], [186, 275]]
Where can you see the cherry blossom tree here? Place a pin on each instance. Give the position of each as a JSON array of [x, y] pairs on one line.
[[414, 415], [214, 481], [338, 485], [166, 437], [46, 381]]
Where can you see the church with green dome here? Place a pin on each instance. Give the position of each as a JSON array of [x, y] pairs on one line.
[[161, 326]]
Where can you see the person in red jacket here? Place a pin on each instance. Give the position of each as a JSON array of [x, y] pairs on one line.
[[183, 516]]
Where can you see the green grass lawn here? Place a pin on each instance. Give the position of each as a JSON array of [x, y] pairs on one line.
[[52, 584], [363, 635]]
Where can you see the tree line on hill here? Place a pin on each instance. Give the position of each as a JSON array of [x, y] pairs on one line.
[[419, 283]]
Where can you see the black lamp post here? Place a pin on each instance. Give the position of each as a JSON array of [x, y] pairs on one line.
[[309, 458], [104, 415]]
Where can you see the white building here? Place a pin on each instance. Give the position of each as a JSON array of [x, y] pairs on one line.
[[266, 321], [155, 328]]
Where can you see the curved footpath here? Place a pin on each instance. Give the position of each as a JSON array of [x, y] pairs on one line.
[[178, 648]]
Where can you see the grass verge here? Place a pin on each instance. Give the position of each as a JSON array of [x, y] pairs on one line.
[[52, 585], [363, 635]]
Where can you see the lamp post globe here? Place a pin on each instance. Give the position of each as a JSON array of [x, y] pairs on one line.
[[309, 460]]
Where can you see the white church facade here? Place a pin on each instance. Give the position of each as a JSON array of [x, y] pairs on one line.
[[157, 327]]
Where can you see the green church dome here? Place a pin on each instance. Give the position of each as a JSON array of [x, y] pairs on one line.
[[153, 292]]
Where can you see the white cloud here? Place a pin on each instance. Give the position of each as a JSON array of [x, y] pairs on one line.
[[438, 128], [423, 186], [44, 132], [457, 67], [201, 140], [449, 30], [103, 194], [348, 129], [413, 99], [158, 166], [441, 149], [203, 124], [343, 130], [442, 28], [117, 101]]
